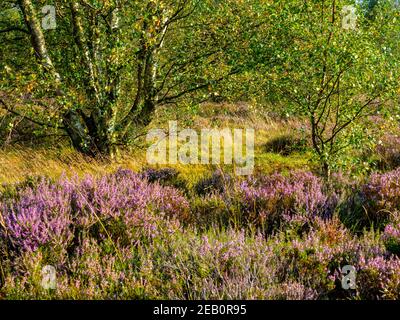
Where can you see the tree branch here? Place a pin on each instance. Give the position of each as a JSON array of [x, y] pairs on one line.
[[11, 29], [8, 109]]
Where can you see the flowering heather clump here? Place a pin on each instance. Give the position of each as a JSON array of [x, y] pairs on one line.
[[379, 278], [41, 216], [276, 198], [97, 274], [388, 149], [10, 191], [236, 265], [379, 199], [120, 236], [391, 237], [294, 291], [230, 264], [383, 190], [124, 201], [315, 259], [227, 265], [51, 213]]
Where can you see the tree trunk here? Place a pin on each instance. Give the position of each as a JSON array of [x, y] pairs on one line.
[[326, 170], [89, 134], [37, 38]]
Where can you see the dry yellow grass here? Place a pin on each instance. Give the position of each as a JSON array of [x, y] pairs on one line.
[[16, 163]]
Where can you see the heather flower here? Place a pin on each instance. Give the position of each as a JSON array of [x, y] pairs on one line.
[[376, 202], [391, 237], [379, 278], [276, 198], [382, 192], [40, 216], [119, 236], [98, 272], [388, 149], [129, 205], [122, 203], [294, 291]]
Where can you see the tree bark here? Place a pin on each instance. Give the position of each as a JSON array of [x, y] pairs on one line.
[[74, 123], [37, 38]]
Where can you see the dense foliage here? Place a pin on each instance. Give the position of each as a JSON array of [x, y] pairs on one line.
[[101, 73], [120, 236], [82, 83]]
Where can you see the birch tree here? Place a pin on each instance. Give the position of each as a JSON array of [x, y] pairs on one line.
[[338, 70], [109, 64]]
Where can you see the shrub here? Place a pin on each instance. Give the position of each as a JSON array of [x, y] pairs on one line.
[[391, 237], [11, 191], [379, 278], [316, 258], [286, 145], [96, 272], [119, 237], [221, 265], [270, 200], [382, 192], [375, 203], [217, 183], [211, 211], [229, 264], [39, 216], [388, 149], [293, 290], [164, 176], [125, 201], [121, 204]]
